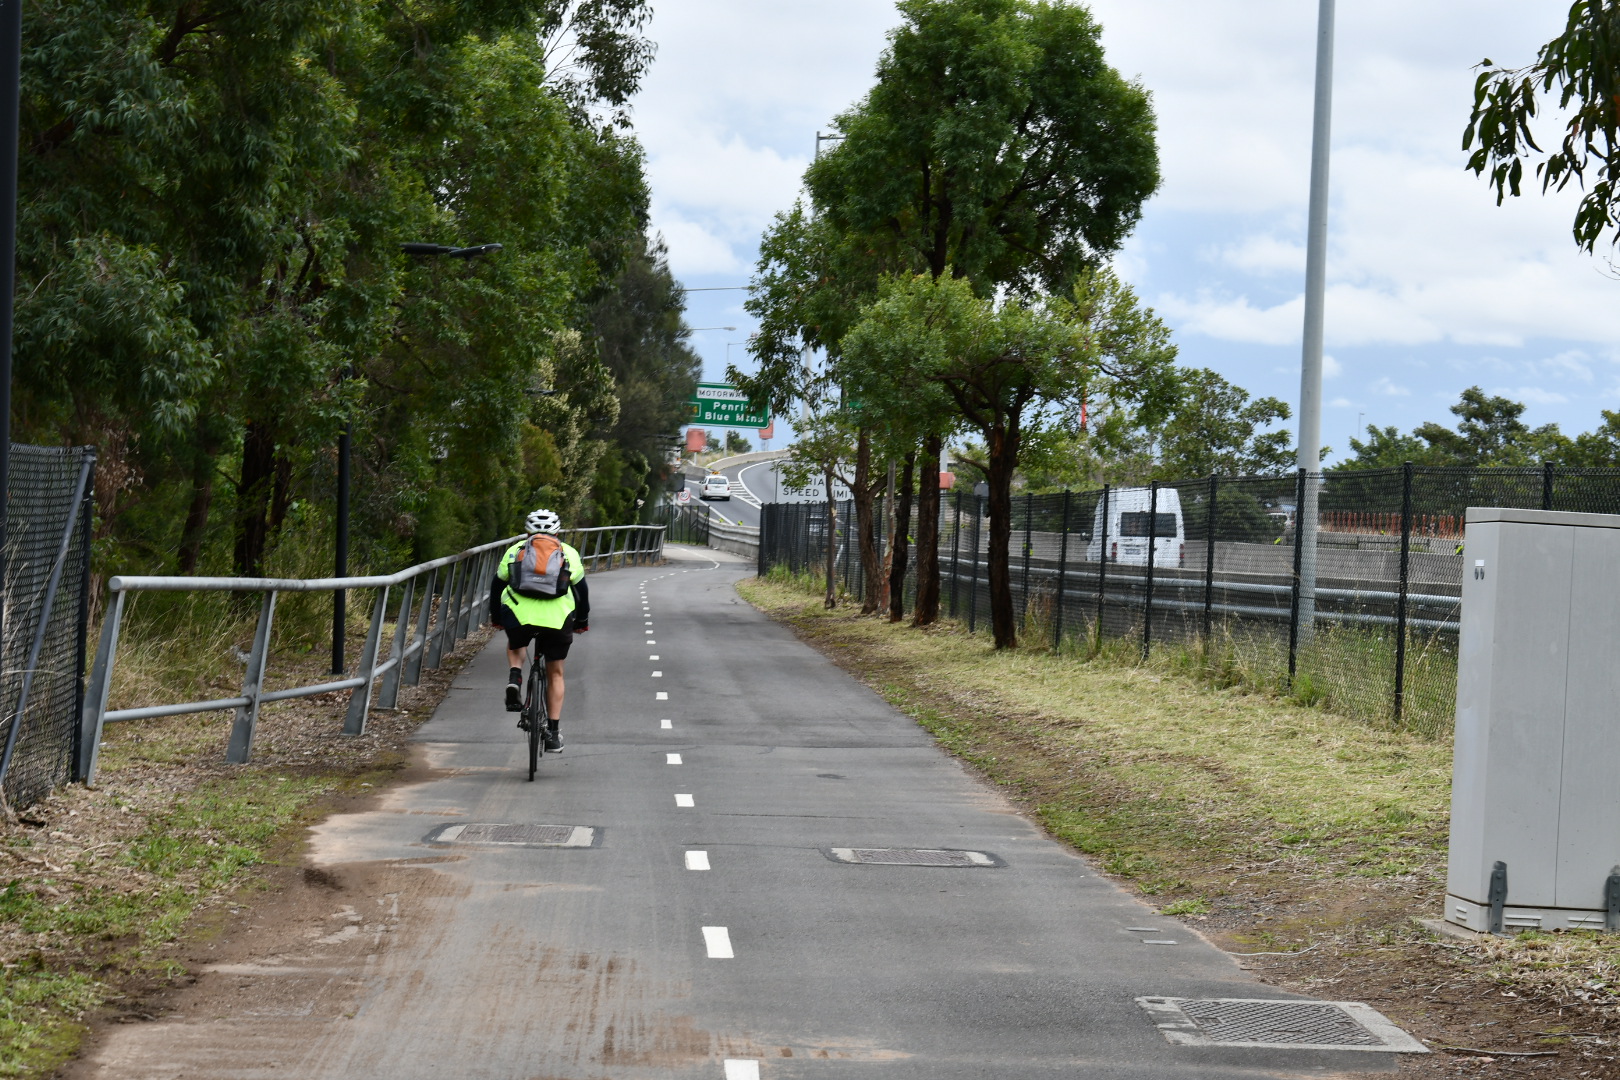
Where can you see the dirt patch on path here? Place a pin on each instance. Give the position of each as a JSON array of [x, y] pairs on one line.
[[1318, 839]]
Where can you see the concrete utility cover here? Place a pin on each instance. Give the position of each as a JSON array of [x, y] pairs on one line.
[[1281, 1025], [497, 834], [913, 857]]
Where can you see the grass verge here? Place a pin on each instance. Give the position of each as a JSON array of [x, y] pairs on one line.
[[1269, 825]]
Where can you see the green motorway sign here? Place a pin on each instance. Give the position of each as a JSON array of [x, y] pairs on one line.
[[721, 405]]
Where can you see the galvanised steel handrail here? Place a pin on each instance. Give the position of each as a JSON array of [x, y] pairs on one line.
[[459, 582]]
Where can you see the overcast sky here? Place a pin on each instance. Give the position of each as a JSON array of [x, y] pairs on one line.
[[1432, 287]]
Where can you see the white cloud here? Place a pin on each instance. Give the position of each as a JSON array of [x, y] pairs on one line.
[[1261, 254], [694, 251], [1535, 395], [1341, 403], [1382, 385], [1331, 368]]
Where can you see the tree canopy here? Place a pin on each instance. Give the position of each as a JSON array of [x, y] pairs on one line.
[[213, 199]]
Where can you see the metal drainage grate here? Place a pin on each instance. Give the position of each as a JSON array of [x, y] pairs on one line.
[[912, 857], [510, 835], [1295, 1025]]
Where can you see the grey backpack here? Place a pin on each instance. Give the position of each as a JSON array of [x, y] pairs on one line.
[[540, 570]]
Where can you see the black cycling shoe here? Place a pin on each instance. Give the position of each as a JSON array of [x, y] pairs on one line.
[[552, 740], [514, 698]]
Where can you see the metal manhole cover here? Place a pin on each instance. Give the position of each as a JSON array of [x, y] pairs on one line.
[[1296, 1025], [500, 834], [912, 857]]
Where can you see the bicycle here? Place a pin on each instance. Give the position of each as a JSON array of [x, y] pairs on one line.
[[533, 717]]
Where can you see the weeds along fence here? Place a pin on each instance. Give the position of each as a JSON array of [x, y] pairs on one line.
[[1208, 572], [436, 605], [50, 498]]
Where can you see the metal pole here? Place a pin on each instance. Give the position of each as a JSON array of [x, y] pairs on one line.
[[973, 586], [1102, 562], [1295, 608], [1400, 604], [240, 748], [1029, 514], [956, 544], [1063, 568], [10, 88], [1310, 367], [86, 520], [1153, 546], [340, 596], [1546, 485], [1209, 563]]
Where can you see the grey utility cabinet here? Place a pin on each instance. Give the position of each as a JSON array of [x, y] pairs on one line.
[[1535, 802]]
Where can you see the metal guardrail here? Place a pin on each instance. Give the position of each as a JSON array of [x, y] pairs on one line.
[[737, 539], [459, 581]]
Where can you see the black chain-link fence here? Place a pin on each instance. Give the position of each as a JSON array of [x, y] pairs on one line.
[[1214, 568], [47, 595]]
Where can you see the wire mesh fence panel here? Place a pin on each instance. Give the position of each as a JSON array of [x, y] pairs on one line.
[[49, 500]]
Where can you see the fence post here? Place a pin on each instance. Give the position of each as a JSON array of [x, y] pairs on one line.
[[86, 512], [767, 517], [1029, 536], [388, 697], [1293, 603], [956, 546], [1102, 561], [435, 643], [1400, 603], [973, 585], [1062, 574], [1546, 486], [1209, 562], [413, 660], [1153, 546], [247, 716], [95, 698], [360, 701]]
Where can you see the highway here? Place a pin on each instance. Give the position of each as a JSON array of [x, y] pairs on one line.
[[690, 911], [750, 485]]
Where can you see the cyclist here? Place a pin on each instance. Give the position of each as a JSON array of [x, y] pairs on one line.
[[549, 624]]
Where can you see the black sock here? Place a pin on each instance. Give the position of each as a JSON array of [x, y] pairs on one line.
[[516, 677]]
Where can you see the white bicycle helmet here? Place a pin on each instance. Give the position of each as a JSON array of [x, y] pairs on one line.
[[542, 521]]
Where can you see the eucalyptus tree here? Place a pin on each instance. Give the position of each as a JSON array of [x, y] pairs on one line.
[[997, 145], [1016, 369], [1573, 74]]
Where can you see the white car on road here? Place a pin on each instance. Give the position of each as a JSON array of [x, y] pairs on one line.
[[715, 486]]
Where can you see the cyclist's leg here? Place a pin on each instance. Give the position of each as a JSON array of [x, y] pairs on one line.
[[554, 689]]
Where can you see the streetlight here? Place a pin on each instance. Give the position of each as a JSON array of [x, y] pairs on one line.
[[340, 596]]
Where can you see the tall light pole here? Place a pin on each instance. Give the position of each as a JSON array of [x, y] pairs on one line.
[[340, 597], [1310, 364]]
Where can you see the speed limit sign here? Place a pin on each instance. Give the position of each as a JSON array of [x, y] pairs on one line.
[[683, 496]]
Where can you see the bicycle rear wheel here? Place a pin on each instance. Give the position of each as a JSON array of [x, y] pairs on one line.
[[534, 712]]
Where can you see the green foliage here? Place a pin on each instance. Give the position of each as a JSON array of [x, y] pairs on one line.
[[1577, 68], [1489, 432], [211, 283], [1214, 427]]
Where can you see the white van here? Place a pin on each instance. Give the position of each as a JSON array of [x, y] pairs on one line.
[[1127, 511]]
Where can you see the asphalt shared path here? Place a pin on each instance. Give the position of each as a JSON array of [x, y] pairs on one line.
[[689, 908]]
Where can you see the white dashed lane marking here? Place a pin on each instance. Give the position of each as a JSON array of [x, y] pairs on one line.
[[742, 1069], [717, 939], [662, 696], [697, 860], [684, 800], [654, 656], [657, 674], [666, 725], [672, 759]]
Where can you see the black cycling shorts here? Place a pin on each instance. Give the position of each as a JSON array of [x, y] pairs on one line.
[[549, 643]]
